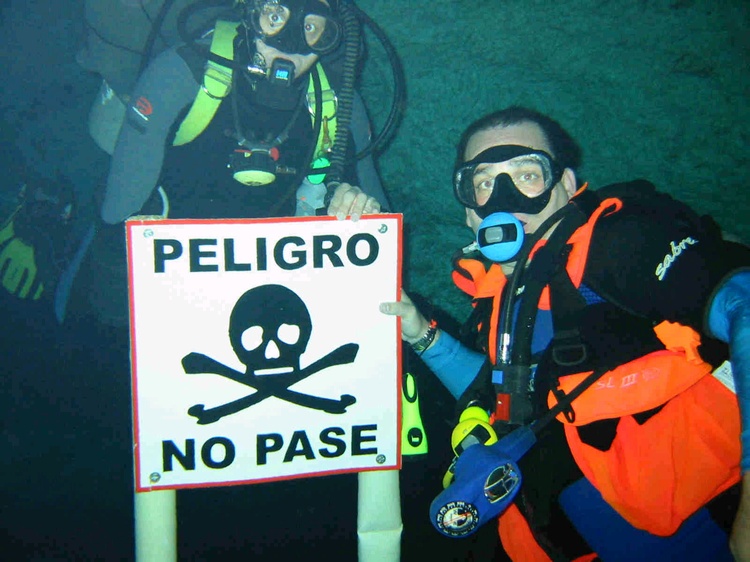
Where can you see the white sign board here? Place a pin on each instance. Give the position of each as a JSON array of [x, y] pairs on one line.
[[258, 349]]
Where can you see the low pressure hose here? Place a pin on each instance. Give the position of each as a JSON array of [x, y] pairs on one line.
[[148, 46], [190, 38], [345, 100]]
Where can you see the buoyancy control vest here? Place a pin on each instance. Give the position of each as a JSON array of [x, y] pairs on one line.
[[304, 135], [217, 85], [655, 435]]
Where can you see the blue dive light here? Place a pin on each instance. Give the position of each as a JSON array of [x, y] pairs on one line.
[[500, 237]]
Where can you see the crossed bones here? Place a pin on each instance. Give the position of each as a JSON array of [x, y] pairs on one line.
[[269, 385]]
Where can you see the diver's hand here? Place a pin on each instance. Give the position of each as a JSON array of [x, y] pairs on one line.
[[413, 323], [18, 269], [349, 200], [739, 540]]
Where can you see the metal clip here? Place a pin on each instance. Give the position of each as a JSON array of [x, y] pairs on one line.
[[328, 96]]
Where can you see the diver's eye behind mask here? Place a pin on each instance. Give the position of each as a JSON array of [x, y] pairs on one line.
[[507, 178], [295, 26]]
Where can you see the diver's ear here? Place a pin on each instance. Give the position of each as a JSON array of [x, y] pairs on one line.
[[569, 182]]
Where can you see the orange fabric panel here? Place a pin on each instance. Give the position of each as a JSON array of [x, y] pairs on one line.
[[484, 283], [634, 387], [581, 240], [659, 473], [518, 540], [587, 557], [476, 270], [492, 284], [677, 337]]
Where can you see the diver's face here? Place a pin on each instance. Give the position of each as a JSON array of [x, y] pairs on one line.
[[523, 134], [274, 17], [294, 30], [302, 63]]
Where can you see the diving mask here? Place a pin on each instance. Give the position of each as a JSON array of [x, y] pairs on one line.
[[295, 26], [507, 178]]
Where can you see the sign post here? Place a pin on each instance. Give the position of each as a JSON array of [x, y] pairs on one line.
[[156, 526]]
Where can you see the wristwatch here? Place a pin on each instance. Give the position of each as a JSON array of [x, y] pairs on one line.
[[429, 336]]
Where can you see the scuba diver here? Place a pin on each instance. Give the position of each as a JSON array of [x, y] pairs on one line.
[[613, 312], [258, 117]]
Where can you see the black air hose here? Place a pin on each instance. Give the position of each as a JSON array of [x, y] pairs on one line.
[[399, 86], [148, 46], [345, 99]]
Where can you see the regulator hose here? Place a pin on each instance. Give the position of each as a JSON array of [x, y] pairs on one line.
[[148, 46], [399, 86], [345, 97]]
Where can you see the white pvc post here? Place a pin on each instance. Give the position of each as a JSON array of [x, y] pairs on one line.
[[156, 526], [379, 523]]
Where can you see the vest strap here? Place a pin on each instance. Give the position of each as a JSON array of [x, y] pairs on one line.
[[217, 84]]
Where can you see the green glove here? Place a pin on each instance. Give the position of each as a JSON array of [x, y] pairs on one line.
[[18, 271]]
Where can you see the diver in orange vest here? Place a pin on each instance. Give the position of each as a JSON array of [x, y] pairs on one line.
[[609, 311]]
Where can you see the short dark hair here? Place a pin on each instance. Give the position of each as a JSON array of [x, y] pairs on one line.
[[564, 149]]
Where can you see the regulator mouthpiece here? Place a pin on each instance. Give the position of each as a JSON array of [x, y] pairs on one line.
[[254, 167], [500, 237]]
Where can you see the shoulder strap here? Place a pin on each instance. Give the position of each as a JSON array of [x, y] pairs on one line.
[[549, 259], [328, 105], [217, 83]]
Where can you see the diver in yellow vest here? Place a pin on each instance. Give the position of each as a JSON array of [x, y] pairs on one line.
[[247, 141], [605, 311], [259, 119]]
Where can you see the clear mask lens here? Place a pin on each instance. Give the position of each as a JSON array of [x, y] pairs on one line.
[[271, 18], [531, 174], [314, 31]]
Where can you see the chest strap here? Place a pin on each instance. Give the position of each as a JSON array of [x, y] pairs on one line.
[[217, 84]]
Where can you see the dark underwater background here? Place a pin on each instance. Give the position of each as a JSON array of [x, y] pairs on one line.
[[651, 88]]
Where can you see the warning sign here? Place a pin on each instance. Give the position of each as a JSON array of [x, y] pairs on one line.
[[258, 349]]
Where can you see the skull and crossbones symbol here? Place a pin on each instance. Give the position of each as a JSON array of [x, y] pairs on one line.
[[269, 329]]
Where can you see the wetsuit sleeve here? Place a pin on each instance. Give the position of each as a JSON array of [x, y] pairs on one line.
[[658, 267], [729, 321], [454, 364], [166, 87], [369, 179]]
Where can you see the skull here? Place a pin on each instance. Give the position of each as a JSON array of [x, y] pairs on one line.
[[269, 330]]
